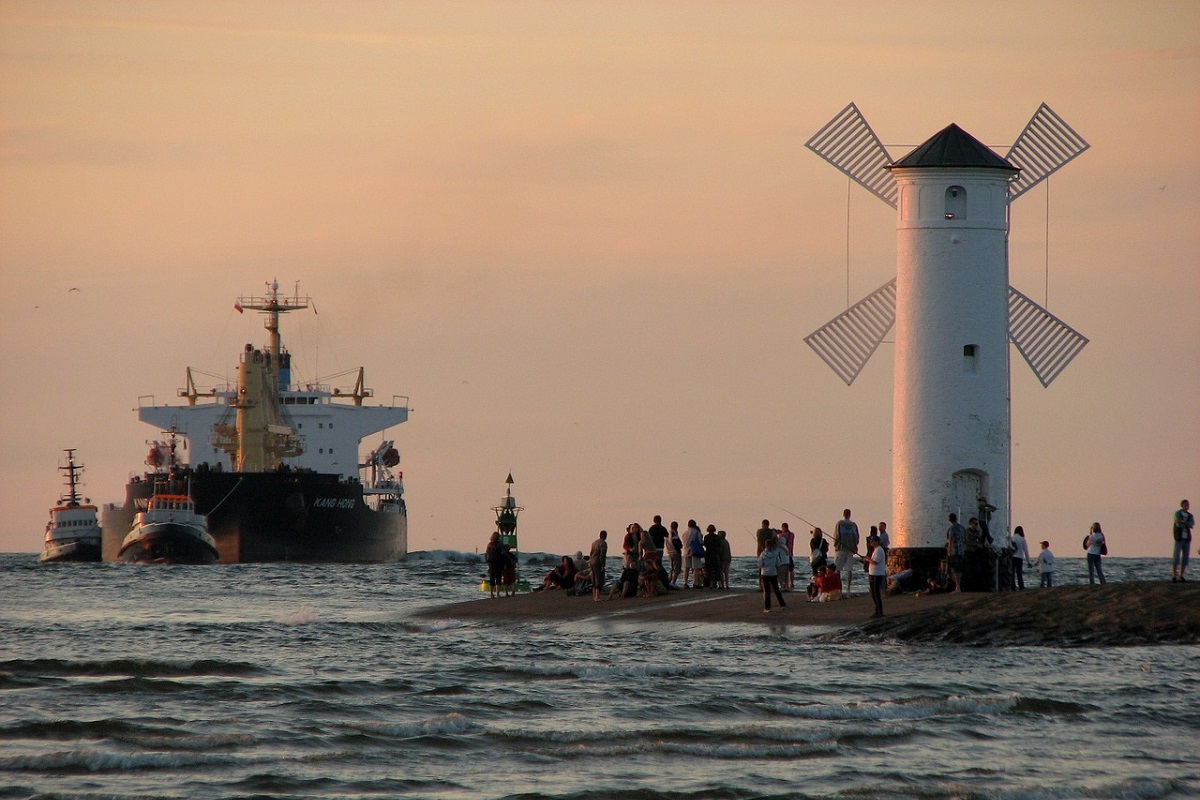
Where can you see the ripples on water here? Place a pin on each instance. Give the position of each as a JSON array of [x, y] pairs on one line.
[[317, 682]]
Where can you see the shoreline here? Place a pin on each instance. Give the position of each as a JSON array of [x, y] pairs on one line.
[[1116, 614]]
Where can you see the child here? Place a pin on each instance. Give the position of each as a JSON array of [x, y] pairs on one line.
[[1045, 566]]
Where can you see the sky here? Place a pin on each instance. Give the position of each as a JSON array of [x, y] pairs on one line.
[[586, 241]]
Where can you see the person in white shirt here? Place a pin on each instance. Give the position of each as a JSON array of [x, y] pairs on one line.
[[1020, 557], [1045, 566]]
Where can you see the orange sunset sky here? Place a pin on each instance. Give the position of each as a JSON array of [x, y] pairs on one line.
[[586, 240]]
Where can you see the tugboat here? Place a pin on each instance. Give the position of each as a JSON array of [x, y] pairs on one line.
[[168, 531], [73, 532], [506, 526], [275, 466]]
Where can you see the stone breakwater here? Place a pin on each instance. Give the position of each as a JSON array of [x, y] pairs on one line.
[[1070, 616], [1117, 614]]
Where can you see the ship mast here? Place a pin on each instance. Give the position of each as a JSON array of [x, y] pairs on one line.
[[72, 470], [272, 305]]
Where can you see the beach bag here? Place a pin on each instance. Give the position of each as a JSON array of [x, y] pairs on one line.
[[1104, 548]]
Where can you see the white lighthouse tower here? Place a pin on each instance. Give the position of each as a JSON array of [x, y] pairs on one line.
[[954, 313], [950, 426]]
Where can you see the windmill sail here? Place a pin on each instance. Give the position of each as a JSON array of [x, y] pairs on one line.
[[1045, 146], [1045, 342], [848, 143], [849, 340]]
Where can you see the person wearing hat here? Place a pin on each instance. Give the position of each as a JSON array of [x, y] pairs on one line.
[[1045, 566]]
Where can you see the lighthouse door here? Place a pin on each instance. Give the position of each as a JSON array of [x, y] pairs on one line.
[[968, 486]]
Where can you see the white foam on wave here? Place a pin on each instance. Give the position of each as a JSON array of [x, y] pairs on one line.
[[921, 708], [304, 616], [451, 724]]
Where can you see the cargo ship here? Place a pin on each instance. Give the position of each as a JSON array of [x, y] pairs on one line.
[[274, 466]]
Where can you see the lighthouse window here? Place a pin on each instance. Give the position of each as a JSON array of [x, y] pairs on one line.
[[969, 354], [956, 202]]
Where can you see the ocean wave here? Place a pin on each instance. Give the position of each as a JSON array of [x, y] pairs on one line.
[[131, 667], [89, 760], [911, 708], [1046, 706]]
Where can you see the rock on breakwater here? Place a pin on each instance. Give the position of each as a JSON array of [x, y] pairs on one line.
[[1116, 614]]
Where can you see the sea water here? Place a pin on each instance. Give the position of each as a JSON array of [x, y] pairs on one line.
[[280, 680]]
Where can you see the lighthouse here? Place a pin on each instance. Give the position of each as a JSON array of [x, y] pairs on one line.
[[951, 411], [954, 315]]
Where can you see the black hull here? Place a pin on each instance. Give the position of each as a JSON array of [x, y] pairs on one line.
[[258, 517], [168, 544], [70, 552]]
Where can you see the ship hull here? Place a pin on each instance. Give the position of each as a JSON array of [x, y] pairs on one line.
[[168, 543], [67, 552], [258, 517]]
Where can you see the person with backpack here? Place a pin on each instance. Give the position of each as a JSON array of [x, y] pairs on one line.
[[674, 552], [845, 548], [818, 555]]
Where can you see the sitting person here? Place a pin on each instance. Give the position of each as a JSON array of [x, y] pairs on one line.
[[562, 576], [941, 581], [814, 585], [627, 584], [831, 586], [649, 581], [897, 582]]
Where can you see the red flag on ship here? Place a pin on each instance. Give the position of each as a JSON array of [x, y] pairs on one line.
[[238, 306]]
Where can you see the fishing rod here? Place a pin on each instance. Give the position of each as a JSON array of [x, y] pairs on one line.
[[813, 525]]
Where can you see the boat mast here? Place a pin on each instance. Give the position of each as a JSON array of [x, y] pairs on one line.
[[72, 471]]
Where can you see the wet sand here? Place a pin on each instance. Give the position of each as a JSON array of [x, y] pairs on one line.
[[1115, 614]]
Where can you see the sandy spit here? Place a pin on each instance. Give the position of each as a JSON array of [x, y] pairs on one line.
[[1114, 614]]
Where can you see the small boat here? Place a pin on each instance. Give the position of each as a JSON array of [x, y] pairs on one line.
[[73, 532], [168, 530]]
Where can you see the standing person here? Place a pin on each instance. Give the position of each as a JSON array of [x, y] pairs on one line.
[[876, 565], [818, 550], [1182, 530], [674, 549], [1020, 556], [633, 537], [956, 547], [885, 541], [985, 518], [764, 535], [845, 548], [1096, 548], [496, 559], [787, 541], [596, 563], [726, 560], [1045, 566], [769, 562], [658, 535], [712, 557], [693, 553]]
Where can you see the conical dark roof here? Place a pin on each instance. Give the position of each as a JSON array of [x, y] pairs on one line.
[[953, 147]]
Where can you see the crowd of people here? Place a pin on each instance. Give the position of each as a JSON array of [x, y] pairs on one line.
[[655, 559]]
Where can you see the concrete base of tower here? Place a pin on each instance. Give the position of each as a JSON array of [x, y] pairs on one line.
[[984, 569]]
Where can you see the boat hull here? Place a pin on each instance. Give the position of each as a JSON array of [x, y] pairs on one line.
[[168, 543], [68, 552], [257, 517]]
